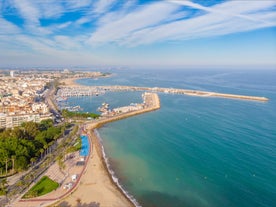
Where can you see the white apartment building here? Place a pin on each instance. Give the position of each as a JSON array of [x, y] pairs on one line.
[[10, 121]]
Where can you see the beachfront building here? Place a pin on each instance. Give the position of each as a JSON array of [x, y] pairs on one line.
[[10, 121]]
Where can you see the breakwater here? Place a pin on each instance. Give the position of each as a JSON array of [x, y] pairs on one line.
[[152, 103], [115, 88]]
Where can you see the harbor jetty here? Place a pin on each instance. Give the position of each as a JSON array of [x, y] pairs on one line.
[[96, 90], [151, 103], [150, 100]]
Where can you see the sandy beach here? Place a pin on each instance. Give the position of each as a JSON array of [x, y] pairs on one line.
[[71, 82], [96, 187]]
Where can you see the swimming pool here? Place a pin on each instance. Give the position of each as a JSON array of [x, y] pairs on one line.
[[85, 147]]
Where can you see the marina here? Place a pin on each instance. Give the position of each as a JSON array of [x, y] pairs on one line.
[[147, 102], [78, 91], [97, 90]]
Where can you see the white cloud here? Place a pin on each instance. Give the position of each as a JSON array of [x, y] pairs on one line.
[[67, 43], [33, 11], [127, 7], [231, 9], [94, 12], [102, 6], [130, 24], [77, 4], [7, 28], [28, 11], [33, 50], [50, 8], [63, 25], [225, 18], [83, 20], [136, 20]]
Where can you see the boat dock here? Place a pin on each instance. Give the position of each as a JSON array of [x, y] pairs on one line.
[[96, 90], [151, 103], [79, 91], [150, 100]]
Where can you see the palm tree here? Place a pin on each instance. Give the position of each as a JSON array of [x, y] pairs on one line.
[[13, 161], [41, 152], [33, 159], [45, 149], [60, 161], [7, 166]]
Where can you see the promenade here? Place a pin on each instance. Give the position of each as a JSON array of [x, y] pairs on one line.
[[94, 185]]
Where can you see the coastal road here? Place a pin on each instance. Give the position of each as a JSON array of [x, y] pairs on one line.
[[49, 100]]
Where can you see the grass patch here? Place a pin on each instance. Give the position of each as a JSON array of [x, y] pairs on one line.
[[78, 144], [42, 187], [3, 192]]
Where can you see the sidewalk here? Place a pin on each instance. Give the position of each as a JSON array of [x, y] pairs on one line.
[[63, 177]]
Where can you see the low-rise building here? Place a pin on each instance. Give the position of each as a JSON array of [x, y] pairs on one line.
[[10, 121]]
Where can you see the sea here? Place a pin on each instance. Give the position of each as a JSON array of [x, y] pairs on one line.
[[193, 151]]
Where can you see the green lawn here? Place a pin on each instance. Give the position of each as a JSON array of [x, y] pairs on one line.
[[42, 187]]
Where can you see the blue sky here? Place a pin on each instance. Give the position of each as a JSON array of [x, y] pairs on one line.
[[136, 33]]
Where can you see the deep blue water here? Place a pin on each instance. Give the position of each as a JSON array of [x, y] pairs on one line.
[[194, 151]]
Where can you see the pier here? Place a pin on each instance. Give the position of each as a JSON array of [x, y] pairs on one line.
[[96, 90], [151, 103], [150, 100]]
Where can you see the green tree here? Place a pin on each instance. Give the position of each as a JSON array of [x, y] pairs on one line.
[[41, 152], [33, 159], [4, 155], [3, 186], [31, 129], [60, 161], [45, 124], [21, 163], [13, 158], [18, 133]]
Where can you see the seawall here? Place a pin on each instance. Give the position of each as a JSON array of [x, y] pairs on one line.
[[153, 104], [171, 91]]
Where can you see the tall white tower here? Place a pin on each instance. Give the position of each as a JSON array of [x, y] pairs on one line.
[[12, 73]]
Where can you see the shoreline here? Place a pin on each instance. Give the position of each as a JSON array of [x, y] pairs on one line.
[[98, 174], [96, 186], [99, 147], [70, 82], [100, 150]]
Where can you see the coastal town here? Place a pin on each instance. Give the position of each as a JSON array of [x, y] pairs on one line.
[[28, 96], [23, 94], [42, 102]]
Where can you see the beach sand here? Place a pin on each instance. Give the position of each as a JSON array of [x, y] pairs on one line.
[[96, 187], [70, 82]]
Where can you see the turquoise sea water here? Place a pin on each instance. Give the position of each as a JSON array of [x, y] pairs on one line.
[[194, 151]]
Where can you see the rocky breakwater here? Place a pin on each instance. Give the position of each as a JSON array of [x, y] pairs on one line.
[[151, 103]]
